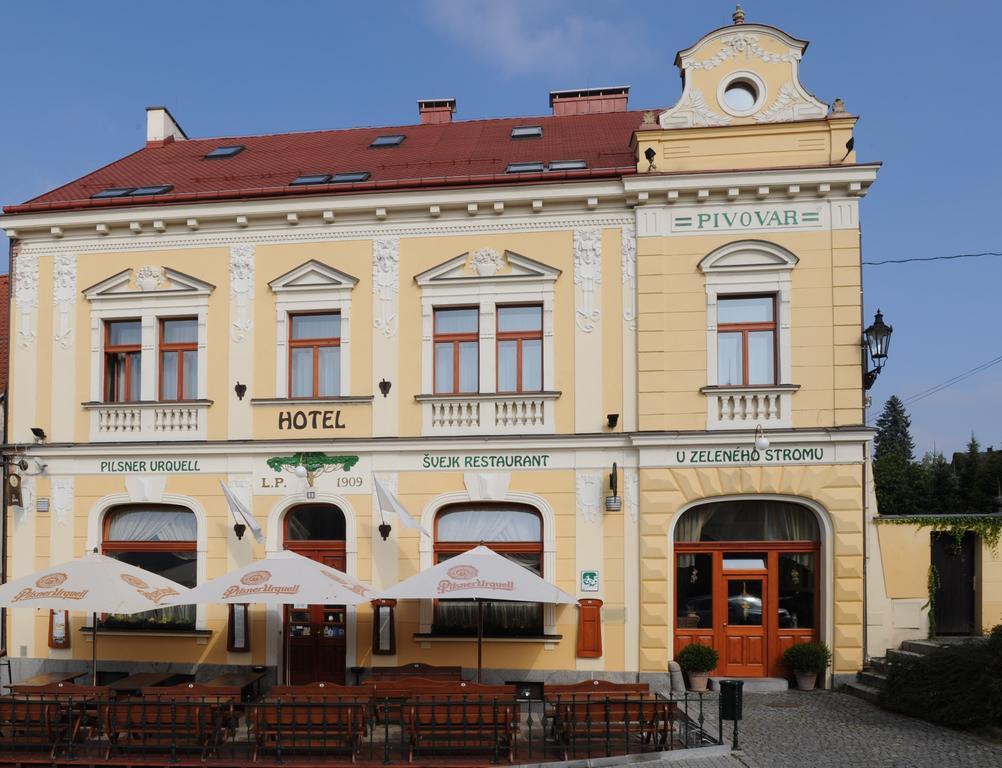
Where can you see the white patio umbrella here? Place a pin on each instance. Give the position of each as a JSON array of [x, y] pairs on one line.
[[96, 584], [283, 578], [478, 574]]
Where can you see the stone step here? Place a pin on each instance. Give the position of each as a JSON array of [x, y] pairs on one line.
[[878, 665], [921, 647], [862, 691], [896, 656], [872, 678], [755, 684]]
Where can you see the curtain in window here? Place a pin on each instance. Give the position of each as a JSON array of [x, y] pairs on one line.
[[497, 524], [302, 372], [748, 520], [168, 524]]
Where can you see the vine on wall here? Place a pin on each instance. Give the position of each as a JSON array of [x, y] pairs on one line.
[[932, 584], [988, 527]]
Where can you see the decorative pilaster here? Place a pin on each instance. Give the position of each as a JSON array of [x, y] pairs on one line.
[[628, 253], [588, 484], [62, 499], [241, 290], [26, 295], [587, 276], [385, 283], [64, 295]]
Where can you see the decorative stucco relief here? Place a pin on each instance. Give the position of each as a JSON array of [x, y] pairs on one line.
[[385, 283], [487, 262], [692, 110], [241, 289], [742, 44], [588, 484], [587, 276], [64, 295], [149, 278], [790, 105], [62, 499], [629, 266], [26, 295]]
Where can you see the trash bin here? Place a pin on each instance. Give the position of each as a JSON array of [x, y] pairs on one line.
[[731, 697]]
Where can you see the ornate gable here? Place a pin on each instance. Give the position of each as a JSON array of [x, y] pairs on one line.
[[148, 280], [486, 264], [313, 276]]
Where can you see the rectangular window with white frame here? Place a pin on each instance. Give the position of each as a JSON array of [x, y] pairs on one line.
[[520, 348], [315, 355], [122, 361], [457, 350], [178, 358], [746, 340]]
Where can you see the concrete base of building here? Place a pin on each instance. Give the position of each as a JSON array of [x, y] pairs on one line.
[[755, 684]]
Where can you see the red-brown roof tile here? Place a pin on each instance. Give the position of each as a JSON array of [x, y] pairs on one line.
[[474, 152]]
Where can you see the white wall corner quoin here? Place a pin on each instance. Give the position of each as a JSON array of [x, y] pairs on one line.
[[26, 295], [385, 283], [241, 290], [64, 295], [587, 276], [629, 268]]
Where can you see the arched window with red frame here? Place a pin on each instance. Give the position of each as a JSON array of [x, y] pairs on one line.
[[160, 538], [512, 530]]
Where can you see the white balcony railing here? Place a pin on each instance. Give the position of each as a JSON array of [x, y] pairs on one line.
[[148, 421], [486, 413], [747, 407]]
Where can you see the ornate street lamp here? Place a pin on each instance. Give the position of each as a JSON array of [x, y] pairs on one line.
[[877, 340]]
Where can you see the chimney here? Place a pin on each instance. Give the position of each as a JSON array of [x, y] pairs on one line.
[[161, 127], [588, 101], [434, 111]]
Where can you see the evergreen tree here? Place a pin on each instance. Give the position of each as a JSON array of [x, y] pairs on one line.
[[968, 465], [942, 492], [893, 435]]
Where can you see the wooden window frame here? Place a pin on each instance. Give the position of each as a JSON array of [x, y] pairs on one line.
[[519, 337], [391, 606], [500, 547], [744, 329], [316, 344], [455, 339], [180, 348], [111, 394]]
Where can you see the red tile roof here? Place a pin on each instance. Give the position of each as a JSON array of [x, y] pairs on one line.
[[4, 329], [474, 152]]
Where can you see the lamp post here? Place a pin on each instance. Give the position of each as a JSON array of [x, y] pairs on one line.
[[877, 341]]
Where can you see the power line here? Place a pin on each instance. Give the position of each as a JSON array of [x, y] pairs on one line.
[[932, 258], [955, 380]]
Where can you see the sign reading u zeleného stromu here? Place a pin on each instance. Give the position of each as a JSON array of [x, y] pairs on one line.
[[744, 455]]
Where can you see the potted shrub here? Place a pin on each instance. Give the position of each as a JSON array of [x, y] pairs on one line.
[[807, 661], [697, 661]]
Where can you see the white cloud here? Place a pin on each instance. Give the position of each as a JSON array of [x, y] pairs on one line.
[[533, 37]]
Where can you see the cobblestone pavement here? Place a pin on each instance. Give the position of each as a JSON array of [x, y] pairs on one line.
[[822, 729]]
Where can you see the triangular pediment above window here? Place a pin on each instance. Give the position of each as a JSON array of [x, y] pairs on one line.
[[148, 280], [313, 276], [487, 264]]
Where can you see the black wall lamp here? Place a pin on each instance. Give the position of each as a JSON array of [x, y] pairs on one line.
[[384, 388], [613, 502], [876, 341], [239, 529], [650, 153], [39, 434], [241, 390], [612, 419]]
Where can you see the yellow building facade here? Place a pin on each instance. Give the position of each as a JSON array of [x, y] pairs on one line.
[[508, 356]]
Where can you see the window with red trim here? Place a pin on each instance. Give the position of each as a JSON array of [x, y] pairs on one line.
[[457, 350], [122, 360], [520, 348], [746, 340], [315, 355], [179, 358]]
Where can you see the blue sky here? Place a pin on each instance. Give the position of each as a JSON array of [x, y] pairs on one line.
[[77, 77]]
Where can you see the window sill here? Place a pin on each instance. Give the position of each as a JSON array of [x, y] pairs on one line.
[[428, 637], [722, 388], [91, 404], [312, 400], [545, 395], [187, 633]]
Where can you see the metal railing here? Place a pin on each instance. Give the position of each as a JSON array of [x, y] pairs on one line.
[[340, 729]]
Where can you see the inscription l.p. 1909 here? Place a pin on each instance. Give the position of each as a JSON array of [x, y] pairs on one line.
[[310, 420]]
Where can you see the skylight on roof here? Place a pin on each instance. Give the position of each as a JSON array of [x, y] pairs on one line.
[[527, 132], [113, 192], [394, 140], [350, 176], [311, 178], [525, 168], [567, 165], [156, 189], [228, 151]]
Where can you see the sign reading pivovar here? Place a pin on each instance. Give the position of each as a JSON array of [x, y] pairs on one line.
[[742, 454], [734, 219]]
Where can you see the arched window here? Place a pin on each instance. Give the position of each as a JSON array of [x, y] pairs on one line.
[[748, 520], [314, 522], [160, 538], [512, 530]]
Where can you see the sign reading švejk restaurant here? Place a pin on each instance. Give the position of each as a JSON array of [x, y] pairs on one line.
[[734, 219]]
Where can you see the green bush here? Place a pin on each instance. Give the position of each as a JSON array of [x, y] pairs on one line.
[[807, 657], [696, 657], [958, 686]]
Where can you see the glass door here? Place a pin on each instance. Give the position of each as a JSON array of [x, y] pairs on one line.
[[746, 601]]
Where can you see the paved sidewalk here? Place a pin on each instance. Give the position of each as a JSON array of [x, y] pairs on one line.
[[822, 729]]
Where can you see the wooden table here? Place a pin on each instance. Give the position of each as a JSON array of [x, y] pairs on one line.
[[246, 681], [45, 678], [133, 684]]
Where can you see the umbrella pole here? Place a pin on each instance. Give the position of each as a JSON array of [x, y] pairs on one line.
[[480, 637], [93, 648]]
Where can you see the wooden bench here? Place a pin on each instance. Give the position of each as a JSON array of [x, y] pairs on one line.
[[477, 720], [390, 695], [55, 714], [416, 670], [175, 717], [312, 717], [611, 717]]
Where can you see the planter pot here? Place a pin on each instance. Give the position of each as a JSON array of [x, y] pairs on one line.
[[806, 680], [697, 681]]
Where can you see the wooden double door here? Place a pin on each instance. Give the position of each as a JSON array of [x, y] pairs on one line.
[[749, 600], [316, 635]]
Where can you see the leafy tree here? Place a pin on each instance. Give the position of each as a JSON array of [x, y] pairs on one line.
[[893, 436]]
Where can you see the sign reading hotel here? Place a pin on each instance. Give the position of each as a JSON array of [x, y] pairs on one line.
[[735, 219], [744, 455]]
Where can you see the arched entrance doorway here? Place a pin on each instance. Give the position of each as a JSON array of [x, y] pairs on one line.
[[315, 635], [747, 582]]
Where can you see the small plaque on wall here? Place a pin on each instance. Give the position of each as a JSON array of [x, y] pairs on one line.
[[589, 581], [59, 629]]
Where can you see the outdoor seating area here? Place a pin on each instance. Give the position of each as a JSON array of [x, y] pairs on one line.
[[428, 720]]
